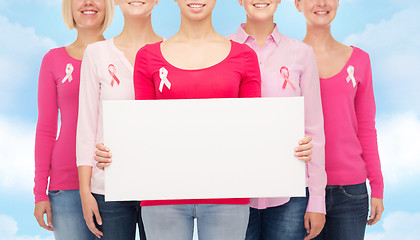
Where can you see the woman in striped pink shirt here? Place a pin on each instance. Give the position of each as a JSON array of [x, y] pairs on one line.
[[288, 69]]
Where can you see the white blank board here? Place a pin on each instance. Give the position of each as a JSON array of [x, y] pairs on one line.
[[203, 148]]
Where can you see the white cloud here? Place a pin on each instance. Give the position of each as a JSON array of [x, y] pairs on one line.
[[16, 155], [20, 59], [398, 144], [398, 225], [394, 46], [23, 46], [9, 229]]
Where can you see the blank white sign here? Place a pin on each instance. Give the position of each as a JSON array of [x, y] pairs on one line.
[[204, 148]]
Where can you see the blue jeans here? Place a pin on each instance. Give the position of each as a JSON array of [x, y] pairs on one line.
[[67, 216], [277, 223], [118, 219], [214, 221], [347, 211]]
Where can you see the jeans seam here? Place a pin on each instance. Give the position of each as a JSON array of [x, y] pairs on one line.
[[59, 192], [358, 196]]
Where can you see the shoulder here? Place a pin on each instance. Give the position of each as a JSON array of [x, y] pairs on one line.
[[360, 60], [242, 49], [149, 50], [360, 55], [97, 48], [55, 53]]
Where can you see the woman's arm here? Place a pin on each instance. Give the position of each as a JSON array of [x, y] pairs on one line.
[[87, 124], [46, 134], [365, 113], [144, 88], [314, 127]]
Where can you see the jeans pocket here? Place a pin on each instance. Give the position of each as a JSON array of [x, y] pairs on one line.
[[54, 193], [358, 191]]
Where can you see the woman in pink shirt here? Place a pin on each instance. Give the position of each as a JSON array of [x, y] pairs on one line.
[[58, 91], [351, 151], [288, 69], [210, 67], [107, 74]]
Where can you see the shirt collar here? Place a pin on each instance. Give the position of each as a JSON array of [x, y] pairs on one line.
[[242, 36]]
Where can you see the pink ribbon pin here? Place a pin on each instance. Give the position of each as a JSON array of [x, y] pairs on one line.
[[163, 74], [350, 77], [285, 73], [113, 71], [69, 71]]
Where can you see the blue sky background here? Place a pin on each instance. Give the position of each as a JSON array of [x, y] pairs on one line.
[[387, 29]]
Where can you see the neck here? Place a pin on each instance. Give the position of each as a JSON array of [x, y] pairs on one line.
[[86, 37], [136, 32], [195, 30], [319, 38], [260, 30]]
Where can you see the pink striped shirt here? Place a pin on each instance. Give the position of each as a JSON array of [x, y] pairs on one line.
[[284, 58]]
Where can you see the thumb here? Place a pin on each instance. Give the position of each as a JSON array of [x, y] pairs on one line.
[[97, 216], [49, 217]]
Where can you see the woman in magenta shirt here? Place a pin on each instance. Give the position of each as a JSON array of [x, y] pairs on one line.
[[288, 69], [58, 91], [210, 67], [351, 151]]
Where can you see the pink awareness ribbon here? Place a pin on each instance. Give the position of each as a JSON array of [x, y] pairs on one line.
[[112, 70], [350, 77], [69, 71], [163, 74], [285, 73]]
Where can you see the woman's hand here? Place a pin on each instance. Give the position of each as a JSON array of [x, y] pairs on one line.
[[304, 150], [376, 210], [41, 208], [90, 209], [103, 156], [314, 223]]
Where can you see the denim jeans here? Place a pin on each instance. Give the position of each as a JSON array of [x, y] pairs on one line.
[[277, 223], [67, 216], [347, 211], [119, 219], [214, 221], [140, 224]]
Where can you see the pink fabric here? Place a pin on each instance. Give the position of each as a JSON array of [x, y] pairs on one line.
[[283, 59], [236, 76], [55, 159], [103, 63], [349, 113]]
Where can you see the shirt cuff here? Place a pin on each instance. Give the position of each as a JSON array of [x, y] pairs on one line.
[[377, 191], [316, 204], [41, 197]]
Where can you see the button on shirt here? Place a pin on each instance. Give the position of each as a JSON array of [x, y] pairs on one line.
[[288, 69]]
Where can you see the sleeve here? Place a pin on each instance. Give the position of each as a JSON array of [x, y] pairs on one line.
[[365, 113], [144, 88], [314, 127], [89, 103], [251, 77], [46, 129]]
